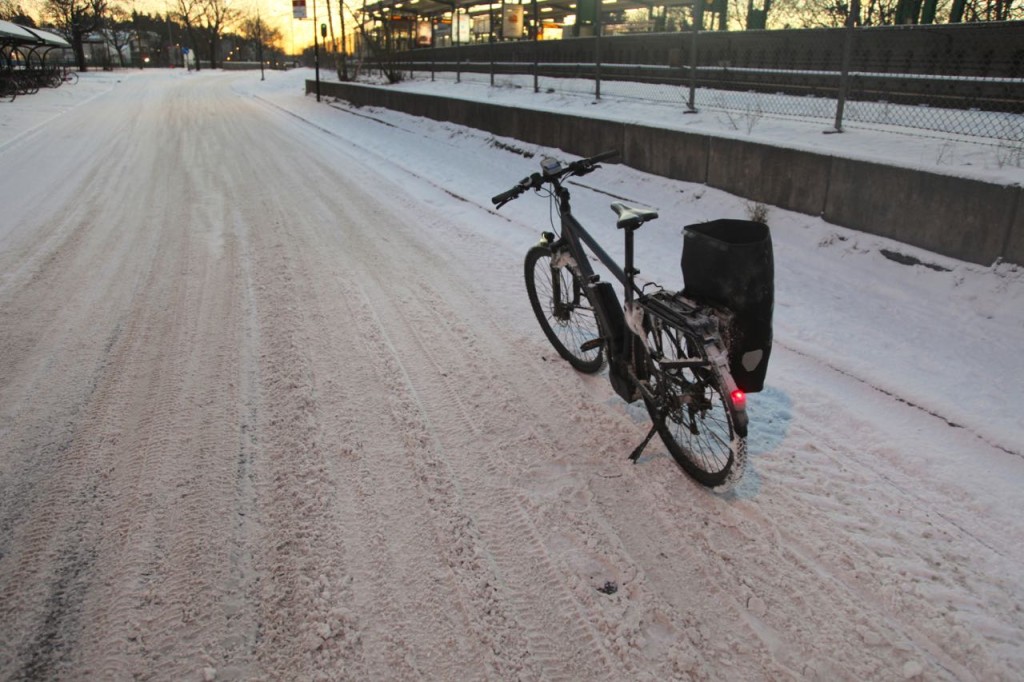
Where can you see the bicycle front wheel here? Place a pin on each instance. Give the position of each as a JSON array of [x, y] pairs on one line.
[[690, 411], [560, 303]]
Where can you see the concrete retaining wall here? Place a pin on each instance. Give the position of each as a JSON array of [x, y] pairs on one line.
[[974, 221]]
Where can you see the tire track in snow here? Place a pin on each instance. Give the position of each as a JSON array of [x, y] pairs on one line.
[[123, 457], [379, 468], [299, 546], [527, 583], [363, 456], [378, 499], [457, 535], [85, 533], [588, 538], [460, 543]]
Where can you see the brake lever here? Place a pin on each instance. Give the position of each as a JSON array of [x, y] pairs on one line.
[[583, 167]]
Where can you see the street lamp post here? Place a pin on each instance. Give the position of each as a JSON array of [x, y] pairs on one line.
[[344, 46], [259, 37], [316, 52]]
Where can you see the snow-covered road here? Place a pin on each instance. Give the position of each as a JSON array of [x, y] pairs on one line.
[[273, 405]]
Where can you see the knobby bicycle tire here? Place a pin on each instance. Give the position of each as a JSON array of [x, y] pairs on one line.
[[690, 409], [568, 320]]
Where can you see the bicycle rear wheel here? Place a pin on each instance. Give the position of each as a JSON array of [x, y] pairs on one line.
[[560, 303], [690, 411]]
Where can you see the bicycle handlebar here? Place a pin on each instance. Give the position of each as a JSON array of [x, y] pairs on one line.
[[535, 181]]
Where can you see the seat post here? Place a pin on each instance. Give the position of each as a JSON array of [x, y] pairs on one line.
[[629, 270]]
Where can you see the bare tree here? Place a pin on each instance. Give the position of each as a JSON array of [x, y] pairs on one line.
[[13, 11], [986, 10], [191, 14], [218, 16], [833, 13], [256, 33], [76, 19], [205, 22], [119, 25]]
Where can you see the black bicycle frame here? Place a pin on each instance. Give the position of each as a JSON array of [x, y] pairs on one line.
[[607, 308]]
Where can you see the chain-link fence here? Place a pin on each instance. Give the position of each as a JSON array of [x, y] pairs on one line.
[[963, 79]]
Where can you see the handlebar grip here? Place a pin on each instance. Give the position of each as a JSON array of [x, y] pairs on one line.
[[603, 156], [506, 196], [526, 183]]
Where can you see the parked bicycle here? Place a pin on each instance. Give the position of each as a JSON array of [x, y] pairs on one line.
[[68, 76], [28, 81], [691, 356], [59, 75]]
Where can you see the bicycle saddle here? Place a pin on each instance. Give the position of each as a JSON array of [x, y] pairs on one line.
[[632, 217]]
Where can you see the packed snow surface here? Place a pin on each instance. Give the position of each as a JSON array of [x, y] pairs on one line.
[[273, 405]]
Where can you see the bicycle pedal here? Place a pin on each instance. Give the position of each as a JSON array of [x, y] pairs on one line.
[[592, 344]]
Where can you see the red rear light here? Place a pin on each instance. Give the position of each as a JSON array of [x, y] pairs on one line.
[[739, 399]]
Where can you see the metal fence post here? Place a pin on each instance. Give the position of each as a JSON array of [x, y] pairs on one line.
[[597, 51], [691, 105], [844, 75], [536, 48], [458, 46]]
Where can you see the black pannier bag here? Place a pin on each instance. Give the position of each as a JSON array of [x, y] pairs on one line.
[[729, 263]]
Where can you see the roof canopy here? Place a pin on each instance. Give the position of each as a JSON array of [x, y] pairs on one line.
[[49, 37], [13, 34]]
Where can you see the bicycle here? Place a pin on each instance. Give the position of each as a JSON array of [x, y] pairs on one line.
[[60, 75], [8, 87], [679, 352]]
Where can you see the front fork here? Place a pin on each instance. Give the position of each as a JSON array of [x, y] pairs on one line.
[[560, 259]]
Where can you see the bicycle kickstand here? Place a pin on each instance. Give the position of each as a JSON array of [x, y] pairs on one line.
[[635, 455]]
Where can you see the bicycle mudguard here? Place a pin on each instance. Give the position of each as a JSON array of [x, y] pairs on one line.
[[729, 263]]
